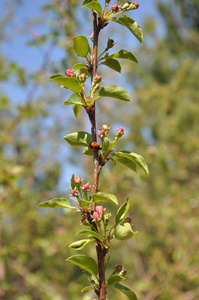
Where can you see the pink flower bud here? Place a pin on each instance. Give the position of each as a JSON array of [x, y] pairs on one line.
[[92, 36], [98, 78], [120, 131], [110, 44], [101, 133], [96, 216], [77, 179], [69, 73], [106, 127], [136, 4], [115, 7], [128, 219], [99, 209], [82, 77], [73, 192], [119, 267], [125, 271], [85, 187]]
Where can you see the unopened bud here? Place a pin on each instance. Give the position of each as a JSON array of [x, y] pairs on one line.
[[99, 209], [74, 192], [85, 187], [115, 8], [96, 216], [98, 78], [82, 77], [101, 133], [69, 73], [77, 179], [92, 36]]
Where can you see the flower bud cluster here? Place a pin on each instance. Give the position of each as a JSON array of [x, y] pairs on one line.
[[130, 6], [82, 77], [77, 188], [120, 270], [120, 133], [104, 131]]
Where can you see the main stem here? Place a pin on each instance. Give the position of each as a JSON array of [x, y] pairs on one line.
[[101, 292]]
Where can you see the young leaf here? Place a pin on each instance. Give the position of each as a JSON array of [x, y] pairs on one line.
[[123, 54], [113, 64], [56, 203], [73, 99], [92, 4], [134, 157], [86, 288], [122, 211], [78, 66], [80, 138], [126, 291], [125, 161], [87, 151], [81, 244], [104, 197], [76, 109], [115, 91], [114, 279], [73, 183], [97, 235], [131, 25], [81, 45], [124, 232], [85, 262], [106, 144], [70, 83]]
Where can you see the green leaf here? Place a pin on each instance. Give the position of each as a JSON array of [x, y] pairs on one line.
[[85, 262], [114, 279], [81, 45], [92, 4], [76, 109], [56, 203], [126, 21], [134, 157], [87, 151], [79, 66], [115, 91], [86, 288], [81, 244], [125, 161], [113, 64], [122, 211], [80, 138], [73, 183], [126, 291], [70, 83], [84, 203], [73, 99], [124, 232], [104, 197], [97, 235], [123, 54]]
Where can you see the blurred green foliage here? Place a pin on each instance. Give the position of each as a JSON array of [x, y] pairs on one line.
[[162, 125]]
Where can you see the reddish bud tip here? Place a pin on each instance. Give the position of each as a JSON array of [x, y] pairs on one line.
[[128, 219], [99, 209], [69, 73], [101, 133], [73, 192], [115, 7], [82, 77], [136, 4], [96, 216], [85, 187], [77, 179], [119, 267], [98, 78]]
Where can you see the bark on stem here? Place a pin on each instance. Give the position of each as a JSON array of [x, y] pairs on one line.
[[96, 172]]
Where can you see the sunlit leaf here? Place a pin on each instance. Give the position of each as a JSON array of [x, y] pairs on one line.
[[73, 99], [81, 45], [126, 21], [124, 54], [92, 4], [112, 64], [114, 279], [126, 291], [85, 262], [89, 232], [122, 211], [124, 232], [56, 203], [80, 138], [79, 245], [70, 83], [115, 91], [76, 109], [134, 157], [104, 197]]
